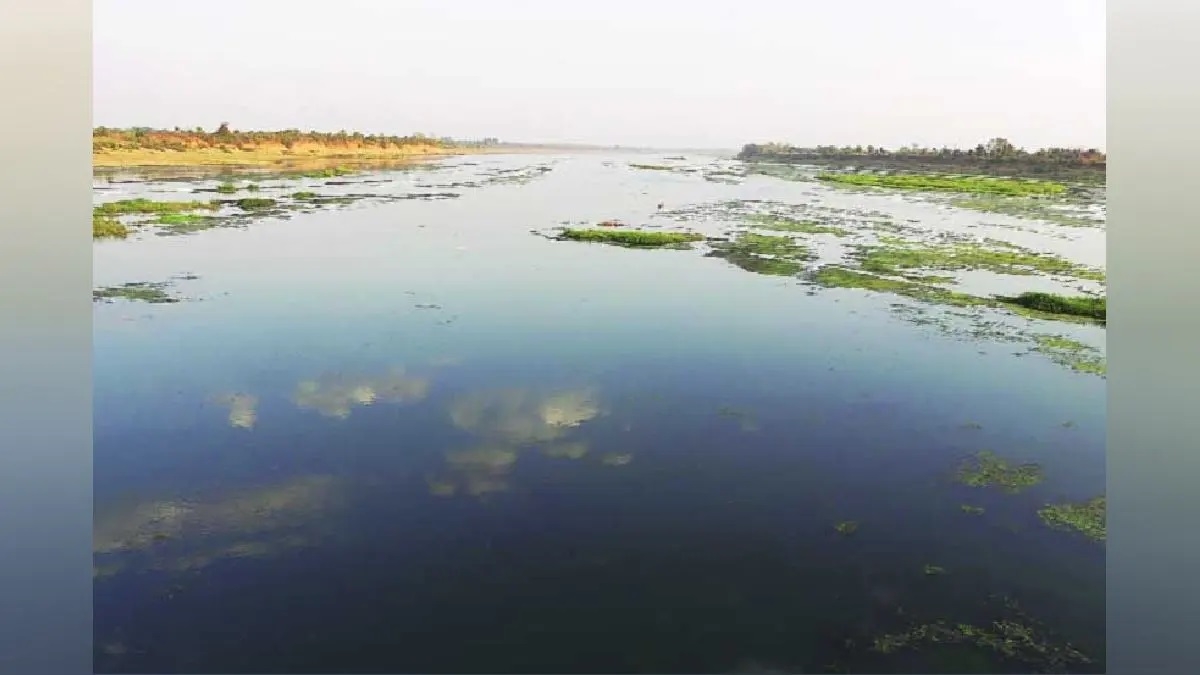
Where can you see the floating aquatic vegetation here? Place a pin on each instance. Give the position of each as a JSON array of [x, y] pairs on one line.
[[940, 183], [784, 224], [890, 258], [763, 254], [846, 527], [104, 227], [154, 293], [149, 206], [986, 469], [632, 238], [1088, 518]]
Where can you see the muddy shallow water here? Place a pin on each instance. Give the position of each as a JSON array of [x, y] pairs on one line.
[[409, 435]]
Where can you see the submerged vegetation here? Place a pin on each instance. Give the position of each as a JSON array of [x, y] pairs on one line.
[[252, 203], [154, 293], [1088, 518], [763, 254], [1071, 353], [783, 224], [986, 469], [891, 258], [846, 527], [632, 238], [1016, 641]]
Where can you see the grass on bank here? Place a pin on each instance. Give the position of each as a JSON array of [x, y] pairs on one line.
[[960, 184]]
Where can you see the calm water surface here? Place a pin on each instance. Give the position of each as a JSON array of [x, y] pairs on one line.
[[414, 437]]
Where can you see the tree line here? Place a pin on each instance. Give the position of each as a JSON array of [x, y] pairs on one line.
[[995, 150]]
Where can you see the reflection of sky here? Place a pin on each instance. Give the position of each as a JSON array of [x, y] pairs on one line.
[[237, 523]]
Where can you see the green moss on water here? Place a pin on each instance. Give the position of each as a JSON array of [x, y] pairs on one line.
[[227, 188], [631, 238], [304, 195], [763, 254], [135, 291], [1032, 208], [104, 227], [1089, 518], [782, 224], [986, 469], [254, 203], [1018, 641], [846, 527], [1007, 259], [149, 206], [834, 276], [1086, 306], [182, 223], [937, 183], [1083, 309], [1073, 354]]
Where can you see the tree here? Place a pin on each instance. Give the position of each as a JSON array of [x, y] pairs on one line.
[[223, 130]]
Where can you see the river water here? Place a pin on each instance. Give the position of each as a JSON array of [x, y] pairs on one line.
[[413, 436]]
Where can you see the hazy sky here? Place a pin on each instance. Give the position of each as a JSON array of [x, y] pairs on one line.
[[649, 72]]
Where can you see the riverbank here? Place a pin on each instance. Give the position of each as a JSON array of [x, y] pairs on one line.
[[224, 147]]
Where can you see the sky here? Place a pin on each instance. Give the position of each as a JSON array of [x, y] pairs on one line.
[[651, 73]]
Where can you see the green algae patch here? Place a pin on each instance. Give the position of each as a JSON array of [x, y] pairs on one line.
[[303, 195], [937, 183], [986, 469], [846, 527], [1087, 306], [227, 188], [763, 254], [135, 291], [632, 238], [151, 207], [185, 223], [1088, 518], [1029, 208], [254, 203], [934, 570], [834, 276], [783, 224], [1016, 641], [104, 227], [1073, 354], [891, 259], [972, 510]]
